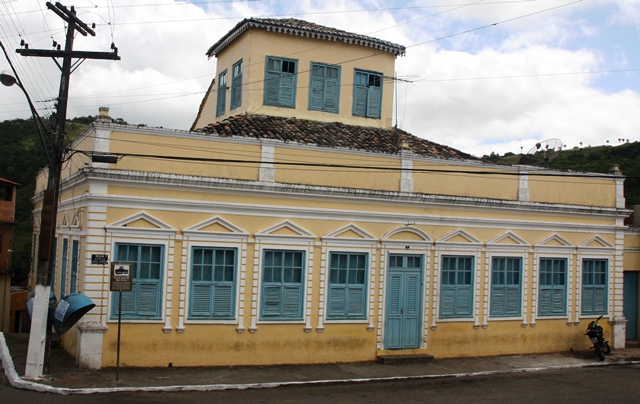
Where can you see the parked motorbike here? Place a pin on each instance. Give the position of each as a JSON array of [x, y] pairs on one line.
[[596, 335]]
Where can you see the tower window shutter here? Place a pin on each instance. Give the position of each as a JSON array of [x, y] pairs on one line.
[[373, 104], [286, 90], [317, 93], [360, 101], [331, 97]]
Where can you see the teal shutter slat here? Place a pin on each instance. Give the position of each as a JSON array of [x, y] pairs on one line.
[[271, 301], [272, 89], [373, 102], [356, 302], [447, 301], [63, 270], [316, 100], [588, 300], [148, 299], [360, 101], [412, 303], [498, 296], [222, 303], [463, 301], [236, 91], [512, 301], [201, 300], [600, 300], [558, 300], [287, 90], [331, 95], [128, 302], [74, 266], [291, 298], [222, 93], [545, 303], [394, 299], [337, 301]]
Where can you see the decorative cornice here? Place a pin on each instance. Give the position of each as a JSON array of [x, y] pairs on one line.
[[292, 26]]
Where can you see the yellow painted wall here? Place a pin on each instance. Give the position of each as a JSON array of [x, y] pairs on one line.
[[429, 178], [337, 176], [147, 344], [632, 251], [462, 339], [255, 45], [221, 345], [592, 191]]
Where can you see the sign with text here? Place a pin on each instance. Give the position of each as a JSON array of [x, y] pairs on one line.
[[99, 259], [120, 277]]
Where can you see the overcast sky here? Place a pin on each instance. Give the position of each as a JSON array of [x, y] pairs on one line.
[[481, 76]]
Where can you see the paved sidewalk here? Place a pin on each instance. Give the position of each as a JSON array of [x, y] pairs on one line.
[[65, 378]]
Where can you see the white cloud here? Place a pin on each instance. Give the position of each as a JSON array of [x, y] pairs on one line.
[[484, 88]]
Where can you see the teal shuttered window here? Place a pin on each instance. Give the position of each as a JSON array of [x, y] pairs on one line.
[[222, 93], [456, 290], [506, 286], [594, 286], [282, 285], [280, 82], [236, 85], [75, 247], [347, 286], [145, 299], [367, 94], [63, 266], [324, 88], [212, 283], [552, 294]]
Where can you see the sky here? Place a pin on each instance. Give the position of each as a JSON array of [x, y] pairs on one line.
[[481, 76]]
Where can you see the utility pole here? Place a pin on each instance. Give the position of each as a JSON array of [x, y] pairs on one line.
[[39, 336]]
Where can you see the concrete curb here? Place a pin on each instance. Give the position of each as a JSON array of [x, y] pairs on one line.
[[20, 383]]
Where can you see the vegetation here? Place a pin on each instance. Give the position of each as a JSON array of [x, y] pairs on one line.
[[23, 156], [600, 159]]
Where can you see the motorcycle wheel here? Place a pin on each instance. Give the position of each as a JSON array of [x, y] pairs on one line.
[[599, 351], [607, 348]]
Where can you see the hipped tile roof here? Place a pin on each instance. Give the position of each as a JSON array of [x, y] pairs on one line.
[[292, 26], [330, 134]]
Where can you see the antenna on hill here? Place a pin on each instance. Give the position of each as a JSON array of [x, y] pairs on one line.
[[543, 152]]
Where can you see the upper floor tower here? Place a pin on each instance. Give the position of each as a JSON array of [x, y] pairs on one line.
[[293, 68]]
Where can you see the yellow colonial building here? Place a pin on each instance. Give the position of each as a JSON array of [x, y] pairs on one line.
[[294, 224]]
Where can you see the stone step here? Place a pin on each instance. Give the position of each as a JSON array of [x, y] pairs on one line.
[[412, 358]]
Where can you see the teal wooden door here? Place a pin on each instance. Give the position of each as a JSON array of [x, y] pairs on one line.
[[403, 324], [630, 306]]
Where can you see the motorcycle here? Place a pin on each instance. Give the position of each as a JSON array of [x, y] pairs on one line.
[[596, 335]]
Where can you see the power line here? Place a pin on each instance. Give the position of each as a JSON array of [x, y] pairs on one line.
[[360, 167]]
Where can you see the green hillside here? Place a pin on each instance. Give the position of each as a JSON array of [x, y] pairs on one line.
[[590, 159], [22, 158]]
